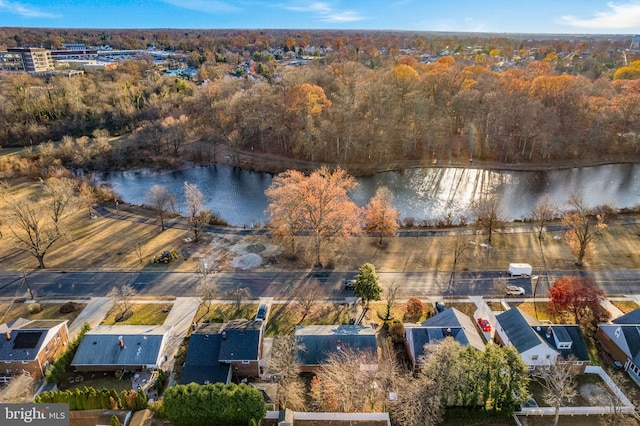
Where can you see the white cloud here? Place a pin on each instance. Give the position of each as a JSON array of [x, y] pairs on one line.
[[207, 6], [326, 13], [318, 7], [626, 15], [22, 10]]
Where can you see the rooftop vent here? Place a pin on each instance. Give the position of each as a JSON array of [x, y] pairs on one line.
[[121, 342], [224, 334], [8, 335], [549, 332]]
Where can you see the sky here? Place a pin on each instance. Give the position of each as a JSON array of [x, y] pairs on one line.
[[493, 16]]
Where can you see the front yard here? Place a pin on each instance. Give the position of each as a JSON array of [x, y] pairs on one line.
[[139, 314], [49, 311]]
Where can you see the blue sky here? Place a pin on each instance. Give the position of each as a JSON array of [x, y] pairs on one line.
[[498, 16]]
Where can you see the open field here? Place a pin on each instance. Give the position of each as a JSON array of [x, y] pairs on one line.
[[131, 238]]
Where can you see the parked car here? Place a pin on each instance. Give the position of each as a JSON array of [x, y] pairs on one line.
[[350, 285], [262, 312], [514, 290], [440, 306], [484, 324]]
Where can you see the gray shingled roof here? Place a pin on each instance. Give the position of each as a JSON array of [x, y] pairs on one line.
[[515, 324], [453, 318], [632, 317], [142, 346], [240, 339], [318, 341], [571, 333], [202, 365]]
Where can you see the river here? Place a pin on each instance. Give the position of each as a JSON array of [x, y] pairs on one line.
[[424, 194]]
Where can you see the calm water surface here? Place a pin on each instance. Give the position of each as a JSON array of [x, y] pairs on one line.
[[238, 197]]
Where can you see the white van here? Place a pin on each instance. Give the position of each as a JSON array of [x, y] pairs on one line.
[[520, 269]]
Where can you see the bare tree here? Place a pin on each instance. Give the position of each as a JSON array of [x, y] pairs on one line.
[[19, 390], [544, 211], [307, 300], [585, 226], [457, 245], [161, 201], [337, 388], [121, 297], [559, 383], [281, 367], [206, 289], [197, 215], [489, 215], [391, 296], [60, 192], [238, 295], [35, 224]]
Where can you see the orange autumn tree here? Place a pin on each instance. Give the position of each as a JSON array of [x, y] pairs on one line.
[[317, 204], [579, 297], [380, 217]]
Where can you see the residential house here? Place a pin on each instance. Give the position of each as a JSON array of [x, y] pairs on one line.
[[621, 340], [449, 323], [316, 343], [122, 347], [30, 346], [218, 352], [540, 344]]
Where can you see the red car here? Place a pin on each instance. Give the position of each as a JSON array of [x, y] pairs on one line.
[[484, 324]]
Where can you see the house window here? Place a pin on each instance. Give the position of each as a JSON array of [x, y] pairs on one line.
[[548, 356], [534, 358], [46, 349], [246, 362], [58, 334]]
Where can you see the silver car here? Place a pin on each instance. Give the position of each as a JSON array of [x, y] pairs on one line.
[[514, 290]]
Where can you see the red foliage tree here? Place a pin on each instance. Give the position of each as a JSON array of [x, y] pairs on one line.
[[580, 297]]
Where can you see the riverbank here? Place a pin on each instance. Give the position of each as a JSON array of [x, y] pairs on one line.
[[127, 237], [270, 163]]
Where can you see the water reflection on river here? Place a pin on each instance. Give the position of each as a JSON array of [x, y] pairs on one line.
[[423, 194]]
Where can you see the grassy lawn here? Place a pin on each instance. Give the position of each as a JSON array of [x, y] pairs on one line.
[[625, 306], [219, 312], [85, 247], [466, 308], [141, 314], [284, 317], [496, 306], [539, 310], [49, 311], [98, 380], [537, 390], [464, 417]]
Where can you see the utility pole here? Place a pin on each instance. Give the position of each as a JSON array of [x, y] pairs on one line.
[[26, 281]]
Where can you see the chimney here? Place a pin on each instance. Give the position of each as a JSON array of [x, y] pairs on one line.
[[121, 342], [8, 335], [549, 331], [448, 333]]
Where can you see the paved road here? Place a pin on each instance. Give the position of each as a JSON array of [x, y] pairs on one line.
[[287, 284]]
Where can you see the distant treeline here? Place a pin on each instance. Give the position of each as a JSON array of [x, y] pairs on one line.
[[348, 107]]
